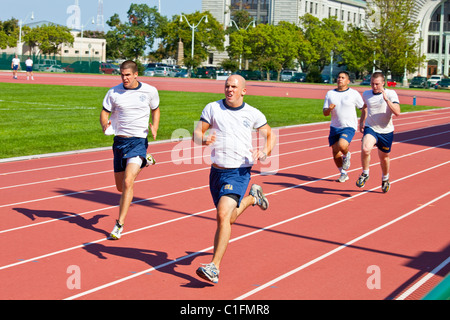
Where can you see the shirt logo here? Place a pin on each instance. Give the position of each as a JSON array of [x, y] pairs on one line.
[[143, 98]]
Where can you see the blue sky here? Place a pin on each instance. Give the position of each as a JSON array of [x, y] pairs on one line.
[[56, 10]]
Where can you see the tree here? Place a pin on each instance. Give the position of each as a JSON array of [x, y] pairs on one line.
[[207, 36], [357, 53], [324, 37], [130, 40], [49, 38], [9, 32], [273, 47], [391, 33]]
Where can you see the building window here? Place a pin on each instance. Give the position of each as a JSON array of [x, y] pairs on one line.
[[433, 44]]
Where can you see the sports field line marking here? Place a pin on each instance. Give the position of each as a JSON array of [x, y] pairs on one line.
[[182, 160], [184, 217], [280, 128], [193, 188], [163, 162], [349, 243], [197, 188], [153, 153], [424, 279], [176, 219], [256, 232]]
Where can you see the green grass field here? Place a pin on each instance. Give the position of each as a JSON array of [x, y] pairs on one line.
[[38, 119]]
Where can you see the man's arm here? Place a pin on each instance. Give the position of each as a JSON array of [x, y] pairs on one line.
[[155, 122], [269, 143], [362, 119], [104, 119], [199, 134]]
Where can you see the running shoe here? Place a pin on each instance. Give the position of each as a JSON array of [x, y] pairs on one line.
[[362, 180], [385, 186], [209, 272], [346, 161], [150, 160], [261, 200], [117, 231], [343, 177]]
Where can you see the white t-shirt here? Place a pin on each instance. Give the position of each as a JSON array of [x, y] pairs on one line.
[[15, 61], [379, 115], [344, 114], [130, 109], [233, 129], [29, 63]]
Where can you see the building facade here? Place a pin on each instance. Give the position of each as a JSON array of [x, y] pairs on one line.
[[433, 16]]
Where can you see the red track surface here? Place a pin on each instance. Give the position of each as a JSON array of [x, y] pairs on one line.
[[320, 239]]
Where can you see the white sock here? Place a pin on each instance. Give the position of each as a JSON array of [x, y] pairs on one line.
[[385, 177]]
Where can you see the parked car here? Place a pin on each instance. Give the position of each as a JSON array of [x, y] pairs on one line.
[[286, 75], [325, 78], [53, 68], [391, 83], [149, 72], [366, 80], [204, 73], [418, 82], [434, 79], [183, 73], [161, 72], [442, 84], [299, 77], [109, 68]]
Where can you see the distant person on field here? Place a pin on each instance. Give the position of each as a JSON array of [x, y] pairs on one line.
[[29, 68], [341, 103], [376, 124], [130, 105], [15, 64]]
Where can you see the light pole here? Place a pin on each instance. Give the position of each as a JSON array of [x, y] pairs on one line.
[[193, 30], [331, 67], [252, 23], [20, 49], [82, 31], [405, 81]]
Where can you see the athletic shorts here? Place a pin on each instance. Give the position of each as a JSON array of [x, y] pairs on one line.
[[15, 67], [384, 140], [229, 182], [340, 133], [124, 148], [29, 69]]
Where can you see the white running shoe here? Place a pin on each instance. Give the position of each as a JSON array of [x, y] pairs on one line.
[[209, 272], [150, 160], [343, 177], [117, 231], [261, 200], [346, 161]]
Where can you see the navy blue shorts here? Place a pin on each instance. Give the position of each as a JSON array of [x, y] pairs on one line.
[[340, 133], [124, 148], [229, 182], [384, 140]]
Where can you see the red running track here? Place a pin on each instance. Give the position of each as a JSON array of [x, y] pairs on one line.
[[320, 239]]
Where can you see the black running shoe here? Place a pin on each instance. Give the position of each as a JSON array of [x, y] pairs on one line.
[[362, 180]]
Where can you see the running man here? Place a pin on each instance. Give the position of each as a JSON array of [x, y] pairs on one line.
[[15, 64], [231, 121], [129, 104], [376, 124], [341, 103]]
